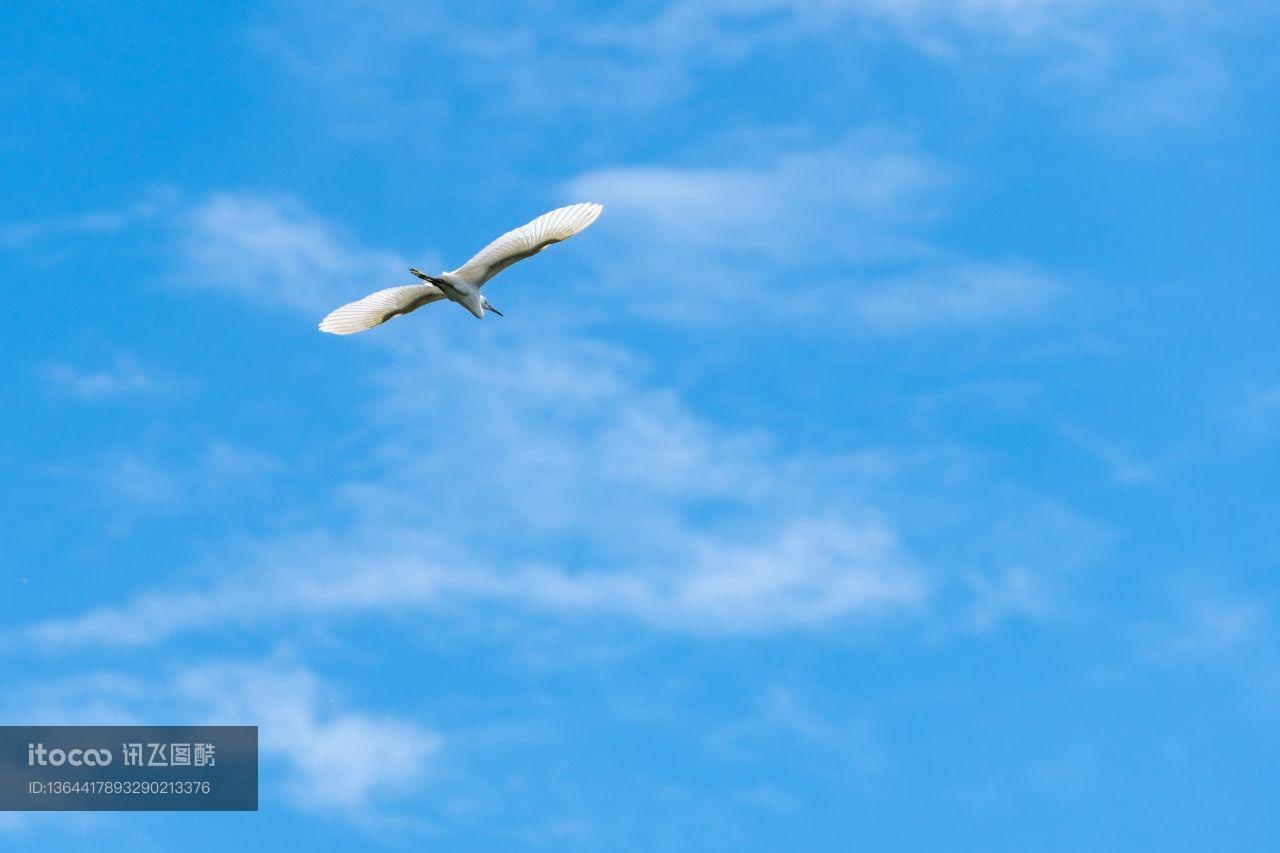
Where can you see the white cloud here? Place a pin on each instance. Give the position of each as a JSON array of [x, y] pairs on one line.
[[728, 28], [149, 482], [274, 252], [1124, 466], [124, 376], [541, 474], [636, 57], [19, 235], [838, 232], [967, 295], [810, 574], [1207, 626], [680, 524], [332, 758], [1253, 414], [784, 718], [343, 760], [1015, 592], [846, 200]]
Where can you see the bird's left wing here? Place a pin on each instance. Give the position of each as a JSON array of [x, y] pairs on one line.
[[560, 224], [377, 308]]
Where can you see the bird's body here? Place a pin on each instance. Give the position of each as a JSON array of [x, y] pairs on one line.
[[457, 289], [463, 284]]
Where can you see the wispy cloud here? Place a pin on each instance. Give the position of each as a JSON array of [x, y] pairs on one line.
[[601, 494], [20, 235], [1253, 414], [332, 758], [785, 718], [128, 484], [842, 231], [1207, 626], [578, 448], [276, 253], [346, 760], [962, 296], [842, 201], [123, 377], [1013, 593], [1119, 65], [807, 576]]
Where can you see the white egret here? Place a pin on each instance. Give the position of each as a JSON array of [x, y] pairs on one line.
[[463, 284]]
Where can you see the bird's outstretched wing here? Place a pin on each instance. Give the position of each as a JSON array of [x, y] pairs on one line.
[[527, 240], [377, 308]]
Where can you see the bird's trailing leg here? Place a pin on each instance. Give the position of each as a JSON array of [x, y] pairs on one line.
[[420, 274]]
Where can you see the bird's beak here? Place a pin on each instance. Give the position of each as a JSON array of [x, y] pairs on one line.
[[494, 310]]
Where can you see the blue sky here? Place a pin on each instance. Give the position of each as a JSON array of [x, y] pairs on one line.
[[892, 466]]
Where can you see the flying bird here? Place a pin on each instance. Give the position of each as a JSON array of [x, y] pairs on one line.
[[463, 284]]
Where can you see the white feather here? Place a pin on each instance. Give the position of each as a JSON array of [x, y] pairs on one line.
[[560, 224], [377, 308]]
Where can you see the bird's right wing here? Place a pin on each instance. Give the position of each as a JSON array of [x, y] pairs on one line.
[[530, 239], [377, 308]]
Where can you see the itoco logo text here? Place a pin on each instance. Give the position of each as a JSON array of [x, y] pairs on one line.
[[37, 754]]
